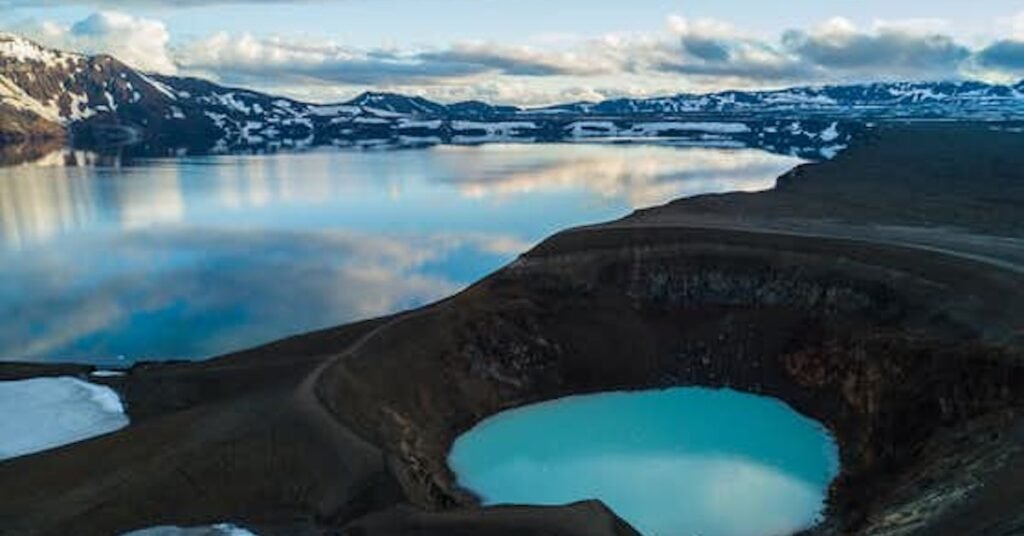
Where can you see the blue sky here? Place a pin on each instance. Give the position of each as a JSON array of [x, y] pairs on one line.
[[533, 51]]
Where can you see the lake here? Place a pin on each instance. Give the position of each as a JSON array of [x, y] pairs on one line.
[[677, 462], [110, 262]]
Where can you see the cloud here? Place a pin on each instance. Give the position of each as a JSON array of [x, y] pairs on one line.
[[836, 51], [1005, 55], [891, 50], [705, 39], [245, 56], [508, 90], [520, 61], [1015, 24], [137, 41], [921, 26], [709, 48], [631, 175]]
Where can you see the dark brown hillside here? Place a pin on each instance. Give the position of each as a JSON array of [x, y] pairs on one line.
[[881, 293]]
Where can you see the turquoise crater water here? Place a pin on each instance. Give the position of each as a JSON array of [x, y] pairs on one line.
[[676, 462]]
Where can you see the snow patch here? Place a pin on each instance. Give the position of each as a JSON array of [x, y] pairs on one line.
[[831, 133], [426, 125], [382, 113], [371, 121], [45, 413], [13, 95], [832, 151], [107, 373], [20, 49]]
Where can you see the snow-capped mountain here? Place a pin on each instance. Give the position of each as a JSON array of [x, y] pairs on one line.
[[98, 100], [880, 100], [61, 89]]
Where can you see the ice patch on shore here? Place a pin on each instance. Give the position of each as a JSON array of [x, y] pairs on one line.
[[107, 373], [220, 529], [831, 151], [45, 413]]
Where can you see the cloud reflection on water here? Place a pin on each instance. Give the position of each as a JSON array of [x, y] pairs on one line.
[[188, 292], [638, 174], [196, 256]]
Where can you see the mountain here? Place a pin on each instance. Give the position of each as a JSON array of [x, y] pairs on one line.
[[881, 100], [392, 103], [99, 101]]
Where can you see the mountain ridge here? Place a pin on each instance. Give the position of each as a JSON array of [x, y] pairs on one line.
[[100, 101]]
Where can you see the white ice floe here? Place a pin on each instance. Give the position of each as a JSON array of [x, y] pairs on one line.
[[44, 413], [220, 529]]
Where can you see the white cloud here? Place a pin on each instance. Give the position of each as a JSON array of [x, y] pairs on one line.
[[241, 56], [137, 41], [892, 50], [708, 28], [920, 26], [835, 50], [1017, 26]]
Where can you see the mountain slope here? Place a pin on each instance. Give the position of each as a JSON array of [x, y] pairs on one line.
[[18, 126]]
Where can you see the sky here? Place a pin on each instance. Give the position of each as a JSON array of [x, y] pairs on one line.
[[532, 52]]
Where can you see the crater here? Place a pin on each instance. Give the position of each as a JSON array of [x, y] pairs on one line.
[[879, 343]]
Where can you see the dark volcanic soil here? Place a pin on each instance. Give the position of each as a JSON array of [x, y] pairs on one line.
[[881, 293]]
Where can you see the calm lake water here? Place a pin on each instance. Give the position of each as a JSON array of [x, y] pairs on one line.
[[193, 257], [679, 462]]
